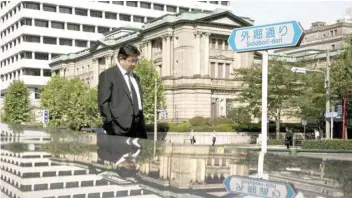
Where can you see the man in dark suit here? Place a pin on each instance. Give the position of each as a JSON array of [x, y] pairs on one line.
[[120, 96]]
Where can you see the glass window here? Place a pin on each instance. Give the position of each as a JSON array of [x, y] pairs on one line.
[[47, 72], [212, 72], [214, 2], [49, 8], [80, 43], [103, 29], [57, 25], [81, 12], [66, 42], [26, 55], [220, 70], [227, 70], [92, 43], [97, 14], [118, 2], [132, 3], [159, 7], [66, 10], [138, 19], [183, 9], [125, 17], [31, 39], [224, 3], [73, 26], [41, 56], [110, 15], [31, 5], [145, 5], [88, 28], [49, 40], [150, 19], [53, 55], [41, 23], [171, 8], [26, 21]]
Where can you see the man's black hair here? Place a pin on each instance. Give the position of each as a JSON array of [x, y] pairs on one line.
[[128, 50]]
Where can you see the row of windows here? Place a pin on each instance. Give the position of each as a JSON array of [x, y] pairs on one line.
[[219, 44], [28, 55], [93, 13], [220, 70], [47, 40], [69, 26], [27, 72]]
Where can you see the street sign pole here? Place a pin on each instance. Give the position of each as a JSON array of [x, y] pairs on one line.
[[263, 38], [264, 131]]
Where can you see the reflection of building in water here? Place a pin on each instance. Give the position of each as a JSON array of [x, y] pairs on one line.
[[309, 183], [33, 174], [195, 167]]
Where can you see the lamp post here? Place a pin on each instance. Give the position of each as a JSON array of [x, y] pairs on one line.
[[327, 92], [213, 102], [155, 115]]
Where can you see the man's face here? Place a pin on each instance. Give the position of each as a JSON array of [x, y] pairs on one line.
[[129, 63]]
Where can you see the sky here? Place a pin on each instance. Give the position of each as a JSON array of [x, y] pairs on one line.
[[305, 12]]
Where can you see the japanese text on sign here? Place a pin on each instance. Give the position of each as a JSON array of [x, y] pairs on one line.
[[264, 36]]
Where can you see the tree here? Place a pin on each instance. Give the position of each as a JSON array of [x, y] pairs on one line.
[[282, 88], [312, 98], [341, 78], [147, 73], [71, 103], [17, 109], [240, 115]]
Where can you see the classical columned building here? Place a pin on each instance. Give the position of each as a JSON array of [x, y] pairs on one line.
[[189, 50]]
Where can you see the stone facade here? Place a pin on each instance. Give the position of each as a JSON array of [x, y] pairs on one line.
[[319, 38], [190, 52]]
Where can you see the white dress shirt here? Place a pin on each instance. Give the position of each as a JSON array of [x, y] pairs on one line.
[[125, 75]]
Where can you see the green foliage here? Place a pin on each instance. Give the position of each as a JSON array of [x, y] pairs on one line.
[[240, 115], [275, 142], [341, 71], [16, 147], [282, 88], [184, 127], [71, 103], [328, 144], [17, 107], [197, 121], [147, 73]]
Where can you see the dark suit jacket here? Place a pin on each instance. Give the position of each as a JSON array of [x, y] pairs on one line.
[[114, 99]]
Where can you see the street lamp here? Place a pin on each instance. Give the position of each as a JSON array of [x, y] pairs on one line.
[[213, 101], [327, 92]]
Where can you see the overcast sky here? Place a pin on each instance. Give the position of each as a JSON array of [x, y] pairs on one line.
[[266, 12]]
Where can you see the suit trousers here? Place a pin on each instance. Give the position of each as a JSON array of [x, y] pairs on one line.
[[137, 129]]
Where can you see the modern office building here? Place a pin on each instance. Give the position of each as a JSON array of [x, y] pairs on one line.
[[34, 32], [191, 53]]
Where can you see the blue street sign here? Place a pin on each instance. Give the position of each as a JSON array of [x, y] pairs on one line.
[[331, 115], [46, 116], [259, 187], [265, 37]]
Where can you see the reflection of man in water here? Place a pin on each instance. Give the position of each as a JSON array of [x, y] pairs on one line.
[[120, 151]]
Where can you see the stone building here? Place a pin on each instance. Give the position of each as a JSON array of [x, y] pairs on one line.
[[190, 51]]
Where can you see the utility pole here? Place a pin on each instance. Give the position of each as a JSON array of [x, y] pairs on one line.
[[155, 114], [327, 105]]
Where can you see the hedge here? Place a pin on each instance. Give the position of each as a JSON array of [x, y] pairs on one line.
[[187, 127], [327, 144]]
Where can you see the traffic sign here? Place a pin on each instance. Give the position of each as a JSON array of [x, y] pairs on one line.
[[304, 122], [45, 116], [331, 115], [259, 187], [163, 114], [265, 37]]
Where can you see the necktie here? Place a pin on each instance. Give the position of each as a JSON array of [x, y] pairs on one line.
[[134, 96]]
